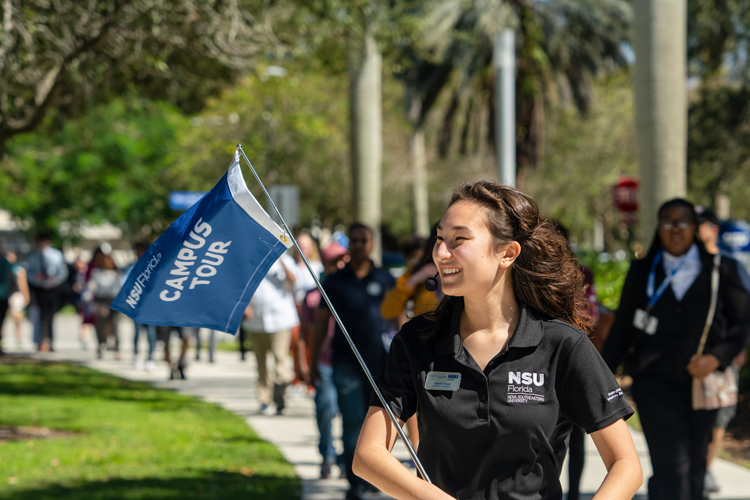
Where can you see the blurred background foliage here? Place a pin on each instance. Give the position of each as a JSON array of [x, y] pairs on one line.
[[142, 97], [115, 163]]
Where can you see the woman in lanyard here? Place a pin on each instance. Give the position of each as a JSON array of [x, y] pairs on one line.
[[663, 311], [501, 370]]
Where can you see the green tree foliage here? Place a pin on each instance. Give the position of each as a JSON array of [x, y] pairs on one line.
[[719, 114], [584, 156], [562, 45], [294, 130], [115, 164], [718, 37], [719, 145], [64, 55]]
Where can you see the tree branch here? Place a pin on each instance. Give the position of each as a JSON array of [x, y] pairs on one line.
[[46, 89], [7, 44]]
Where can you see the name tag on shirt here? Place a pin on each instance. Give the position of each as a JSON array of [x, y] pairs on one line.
[[443, 381], [643, 321]]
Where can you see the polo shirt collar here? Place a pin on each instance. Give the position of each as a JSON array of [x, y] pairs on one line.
[[351, 272], [528, 332]]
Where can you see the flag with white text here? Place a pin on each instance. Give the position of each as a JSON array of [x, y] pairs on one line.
[[206, 266]]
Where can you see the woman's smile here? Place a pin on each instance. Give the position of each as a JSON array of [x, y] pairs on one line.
[[447, 271]]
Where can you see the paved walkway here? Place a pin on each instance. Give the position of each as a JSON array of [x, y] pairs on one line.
[[230, 383]]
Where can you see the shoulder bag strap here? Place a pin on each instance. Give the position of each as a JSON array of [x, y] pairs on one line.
[[712, 307]]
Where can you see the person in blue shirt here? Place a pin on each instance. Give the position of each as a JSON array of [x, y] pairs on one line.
[[356, 292], [46, 271]]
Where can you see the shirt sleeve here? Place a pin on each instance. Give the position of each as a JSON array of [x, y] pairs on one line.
[[589, 395], [330, 289], [396, 381]]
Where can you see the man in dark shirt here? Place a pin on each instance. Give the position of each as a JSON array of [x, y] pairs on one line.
[[356, 292]]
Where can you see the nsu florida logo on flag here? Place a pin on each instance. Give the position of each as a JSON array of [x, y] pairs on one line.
[[206, 266]]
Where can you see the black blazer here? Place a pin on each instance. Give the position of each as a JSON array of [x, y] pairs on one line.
[[661, 358]]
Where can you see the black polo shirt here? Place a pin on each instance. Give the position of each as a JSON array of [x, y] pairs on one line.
[[503, 434], [357, 301]]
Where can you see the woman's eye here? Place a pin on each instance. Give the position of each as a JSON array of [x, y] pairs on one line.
[[440, 238]]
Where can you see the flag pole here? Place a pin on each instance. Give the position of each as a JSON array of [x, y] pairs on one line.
[[340, 323]]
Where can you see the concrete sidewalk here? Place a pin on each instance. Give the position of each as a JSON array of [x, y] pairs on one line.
[[230, 383]]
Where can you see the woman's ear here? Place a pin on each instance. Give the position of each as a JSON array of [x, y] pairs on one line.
[[509, 253]]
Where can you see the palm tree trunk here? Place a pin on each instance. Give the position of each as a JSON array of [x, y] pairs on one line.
[[366, 125], [418, 154], [661, 104]]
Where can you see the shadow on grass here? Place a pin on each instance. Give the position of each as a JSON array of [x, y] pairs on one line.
[[25, 377], [241, 439], [208, 486]]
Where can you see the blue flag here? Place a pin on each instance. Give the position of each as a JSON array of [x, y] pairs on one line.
[[206, 266]]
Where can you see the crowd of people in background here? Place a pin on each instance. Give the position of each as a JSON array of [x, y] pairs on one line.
[[288, 321], [40, 286]]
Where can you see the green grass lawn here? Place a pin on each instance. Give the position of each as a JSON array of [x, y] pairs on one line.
[[127, 440]]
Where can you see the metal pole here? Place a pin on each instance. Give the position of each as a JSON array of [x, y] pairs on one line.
[[504, 55], [340, 323]]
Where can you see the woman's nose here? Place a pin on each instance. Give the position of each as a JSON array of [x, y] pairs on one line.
[[440, 250]]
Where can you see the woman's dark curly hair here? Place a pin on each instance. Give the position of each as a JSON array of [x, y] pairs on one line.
[[546, 275]]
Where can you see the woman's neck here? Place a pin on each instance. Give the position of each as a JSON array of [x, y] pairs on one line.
[[667, 252], [496, 312]]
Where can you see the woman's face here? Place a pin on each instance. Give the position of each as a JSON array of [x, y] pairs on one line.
[[677, 230], [306, 245], [465, 253]]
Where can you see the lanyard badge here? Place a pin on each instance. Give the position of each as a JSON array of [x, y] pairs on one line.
[[642, 318]]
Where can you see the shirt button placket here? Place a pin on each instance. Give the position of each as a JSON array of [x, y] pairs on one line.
[[484, 406]]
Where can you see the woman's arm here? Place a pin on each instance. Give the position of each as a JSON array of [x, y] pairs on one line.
[[289, 273], [624, 474], [23, 284], [374, 462]]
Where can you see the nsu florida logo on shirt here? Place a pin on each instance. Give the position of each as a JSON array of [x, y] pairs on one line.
[[525, 386]]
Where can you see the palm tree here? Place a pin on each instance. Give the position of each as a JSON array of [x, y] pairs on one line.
[[366, 128], [562, 45]]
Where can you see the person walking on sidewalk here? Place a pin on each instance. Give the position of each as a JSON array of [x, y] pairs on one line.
[[659, 326], [269, 320], [46, 271], [164, 334], [19, 298], [151, 334], [7, 281], [708, 232], [326, 401], [102, 288], [356, 292]]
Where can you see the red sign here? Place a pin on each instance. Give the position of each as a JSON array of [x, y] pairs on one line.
[[626, 194]]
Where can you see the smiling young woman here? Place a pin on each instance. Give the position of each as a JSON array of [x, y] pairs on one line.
[[500, 371]]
